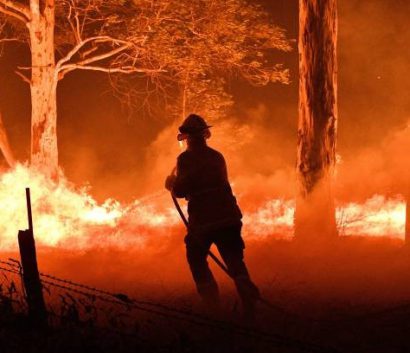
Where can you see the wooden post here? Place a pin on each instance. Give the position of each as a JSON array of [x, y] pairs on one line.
[[31, 277]]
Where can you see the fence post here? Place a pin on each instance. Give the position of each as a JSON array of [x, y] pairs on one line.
[[31, 277]]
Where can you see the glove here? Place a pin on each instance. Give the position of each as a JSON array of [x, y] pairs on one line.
[[169, 182]]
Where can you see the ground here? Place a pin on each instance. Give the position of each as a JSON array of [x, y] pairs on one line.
[[348, 296]]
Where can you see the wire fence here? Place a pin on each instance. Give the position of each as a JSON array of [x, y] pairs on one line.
[[12, 296], [74, 304], [79, 305]]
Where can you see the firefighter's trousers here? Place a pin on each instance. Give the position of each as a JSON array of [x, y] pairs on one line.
[[230, 245]]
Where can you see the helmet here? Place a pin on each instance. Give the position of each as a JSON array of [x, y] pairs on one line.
[[193, 124]]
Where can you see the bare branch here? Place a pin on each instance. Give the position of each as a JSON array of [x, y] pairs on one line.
[[88, 52], [80, 45], [104, 55], [6, 40], [74, 25], [123, 70], [15, 9], [23, 77], [11, 13]]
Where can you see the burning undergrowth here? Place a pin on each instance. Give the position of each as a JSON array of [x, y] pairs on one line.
[[68, 217]]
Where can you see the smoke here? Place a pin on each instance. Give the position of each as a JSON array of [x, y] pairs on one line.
[[125, 159], [116, 244], [259, 170], [381, 169], [373, 72], [258, 139], [254, 155]]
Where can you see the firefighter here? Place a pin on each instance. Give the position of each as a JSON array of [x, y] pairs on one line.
[[214, 216]]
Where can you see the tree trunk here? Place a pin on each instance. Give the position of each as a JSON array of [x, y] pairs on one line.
[[315, 211], [5, 146], [44, 152]]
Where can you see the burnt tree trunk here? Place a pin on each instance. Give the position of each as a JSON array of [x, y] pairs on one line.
[[315, 210], [44, 78]]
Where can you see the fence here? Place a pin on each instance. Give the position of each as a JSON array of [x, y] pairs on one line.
[[69, 303]]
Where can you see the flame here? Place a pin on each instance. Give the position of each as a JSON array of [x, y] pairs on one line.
[[69, 217], [377, 216], [275, 217]]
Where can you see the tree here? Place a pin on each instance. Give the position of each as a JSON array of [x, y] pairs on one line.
[[66, 35], [213, 41], [192, 45], [315, 211]]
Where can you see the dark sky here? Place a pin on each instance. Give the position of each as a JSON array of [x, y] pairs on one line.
[[98, 141]]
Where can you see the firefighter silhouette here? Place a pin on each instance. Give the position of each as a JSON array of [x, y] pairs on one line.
[[214, 216]]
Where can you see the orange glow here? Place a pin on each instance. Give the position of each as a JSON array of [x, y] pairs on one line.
[[69, 217], [378, 216]]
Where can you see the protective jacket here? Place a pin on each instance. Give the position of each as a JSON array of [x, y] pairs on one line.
[[202, 179]]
